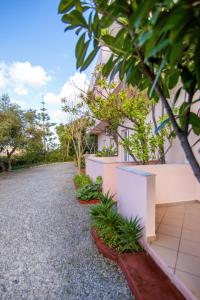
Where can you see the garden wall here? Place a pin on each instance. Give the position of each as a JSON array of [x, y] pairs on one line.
[[140, 188], [107, 168]]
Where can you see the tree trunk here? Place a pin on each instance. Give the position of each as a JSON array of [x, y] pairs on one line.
[[180, 134], [9, 164], [9, 154]]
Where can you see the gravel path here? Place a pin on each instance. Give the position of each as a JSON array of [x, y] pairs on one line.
[[46, 250]]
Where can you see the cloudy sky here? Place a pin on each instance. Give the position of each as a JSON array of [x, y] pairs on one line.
[[36, 56]]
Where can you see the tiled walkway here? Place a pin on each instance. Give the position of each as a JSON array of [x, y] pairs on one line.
[[178, 242]]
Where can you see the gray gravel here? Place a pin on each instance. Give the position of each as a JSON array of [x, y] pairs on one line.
[[46, 250]]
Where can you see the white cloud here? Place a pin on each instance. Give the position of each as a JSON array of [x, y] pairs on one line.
[[20, 76], [71, 90], [21, 103], [59, 116], [21, 90]]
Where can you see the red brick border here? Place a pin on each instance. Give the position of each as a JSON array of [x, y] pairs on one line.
[[93, 201], [145, 278]]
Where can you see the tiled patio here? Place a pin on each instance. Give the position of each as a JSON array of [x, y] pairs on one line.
[[178, 241]]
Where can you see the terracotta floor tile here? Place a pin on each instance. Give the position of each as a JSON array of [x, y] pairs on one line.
[[167, 241], [192, 282], [192, 224], [169, 230], [193, 218], [174, 214], [188, 263], [190, 247], [161, 210], [167, 255], [174, 221], [191, 235], [176, 208]]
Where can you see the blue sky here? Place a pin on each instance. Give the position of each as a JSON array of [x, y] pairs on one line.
[[36, 56]]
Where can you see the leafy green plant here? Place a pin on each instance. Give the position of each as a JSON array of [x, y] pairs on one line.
[[130, 231], [107, 198], [156, 48], [99, 180], [82, 180], [107, 152], [120, 234], [89, 192], [106, 220]]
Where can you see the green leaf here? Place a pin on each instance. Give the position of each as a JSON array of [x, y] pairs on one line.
[[173, 80], [75, 18], [78, 31], [197, 63], [142, 11], [142, 38], [194, 120], [162, 125], [106, 21], [80, 45], [114, 72], [187, 79], [176, 96], [175, 53], [108, 40], [89, 59], [108, 67], [82, 54], [157, 77], [65, 6], [182, 113], [81, 49], [70, 27], [151, 51]]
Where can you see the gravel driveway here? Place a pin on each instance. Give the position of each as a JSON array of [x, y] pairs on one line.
[[46, 250]]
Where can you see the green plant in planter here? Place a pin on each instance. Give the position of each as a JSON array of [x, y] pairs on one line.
[[120, 234], [82, 180], [130, 231], [89, 192], [107, 198], [99, 180], [106, 221], [107, 152]]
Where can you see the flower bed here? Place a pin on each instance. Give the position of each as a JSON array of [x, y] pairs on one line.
[[88, 192], [145, 279]]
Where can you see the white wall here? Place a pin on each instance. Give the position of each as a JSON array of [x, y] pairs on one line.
[[136, 197], [140, 188], [174, 183]]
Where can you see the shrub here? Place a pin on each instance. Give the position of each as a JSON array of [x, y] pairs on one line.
[[89, 192], [120, 234], [130, 231], [82, 179], [107, 198], [106, 152], [99, 180]]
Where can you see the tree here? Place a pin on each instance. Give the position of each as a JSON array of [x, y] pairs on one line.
[[126, 109], [156, 48], [11, 128], [77, 134], [66, 145], [45, 125], [33, 137]]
